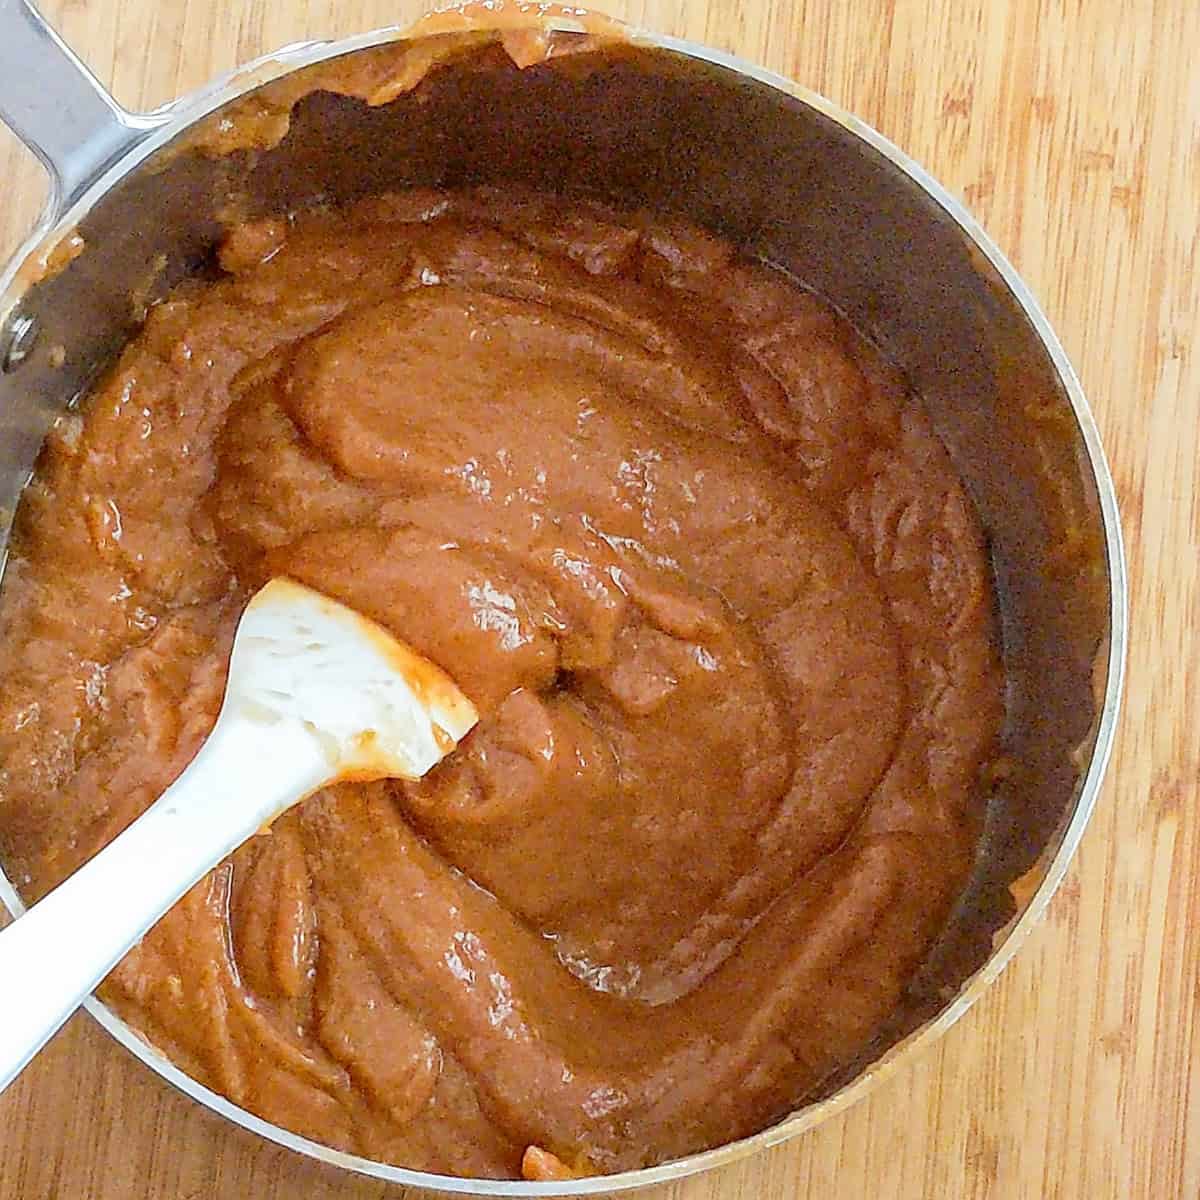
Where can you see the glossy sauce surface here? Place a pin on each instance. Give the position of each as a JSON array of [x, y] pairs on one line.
[[690, 547]]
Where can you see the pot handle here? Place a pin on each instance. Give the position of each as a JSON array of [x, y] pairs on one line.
[[58, 108]]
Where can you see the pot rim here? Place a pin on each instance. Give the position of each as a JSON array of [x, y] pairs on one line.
[[167, 123]]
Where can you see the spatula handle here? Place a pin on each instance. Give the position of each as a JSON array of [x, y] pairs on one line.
[[54, 955]]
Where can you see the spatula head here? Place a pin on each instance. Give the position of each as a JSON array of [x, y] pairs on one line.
[[379, 708]]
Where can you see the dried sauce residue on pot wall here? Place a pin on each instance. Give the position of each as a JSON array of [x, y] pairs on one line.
[[380, 75], [693, 551]]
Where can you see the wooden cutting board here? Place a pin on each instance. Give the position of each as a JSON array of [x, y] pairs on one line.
[[1073, 131]]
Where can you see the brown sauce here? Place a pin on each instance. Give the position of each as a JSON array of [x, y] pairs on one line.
[[692, 549]]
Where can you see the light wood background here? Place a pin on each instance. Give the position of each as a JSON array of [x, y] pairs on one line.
[[1073, 131]]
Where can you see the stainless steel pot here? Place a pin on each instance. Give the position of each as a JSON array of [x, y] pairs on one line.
[[780, 170]]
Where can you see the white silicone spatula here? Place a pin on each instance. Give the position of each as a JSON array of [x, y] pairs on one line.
[[316, 693]]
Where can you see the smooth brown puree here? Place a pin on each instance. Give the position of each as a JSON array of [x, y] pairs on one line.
[[694, 552]]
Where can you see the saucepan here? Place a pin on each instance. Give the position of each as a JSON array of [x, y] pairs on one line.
[[135, 205]]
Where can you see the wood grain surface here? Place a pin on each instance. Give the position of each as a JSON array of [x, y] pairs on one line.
[[1073, 131]]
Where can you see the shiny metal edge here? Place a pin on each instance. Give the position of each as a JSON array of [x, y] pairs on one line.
[[182, 113]]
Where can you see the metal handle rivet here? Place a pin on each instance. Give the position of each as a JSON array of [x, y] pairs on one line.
[[17, 342]]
